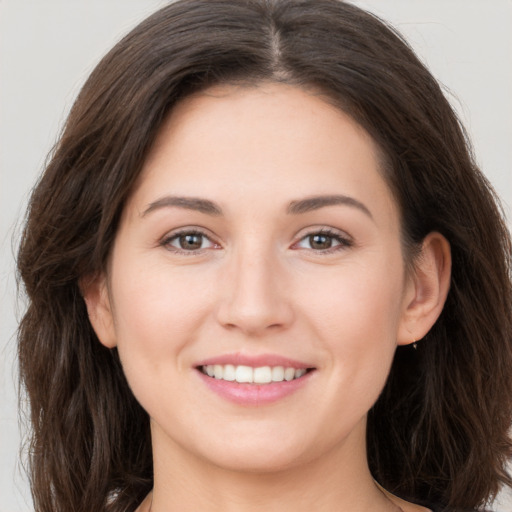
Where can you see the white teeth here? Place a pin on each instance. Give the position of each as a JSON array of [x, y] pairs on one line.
[[218, 371], [247, 374], [289, 374], [244, 374], [229, 372], [262, 375], [278, 374]]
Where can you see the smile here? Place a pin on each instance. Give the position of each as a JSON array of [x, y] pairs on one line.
[[250, 380], [250, 375]]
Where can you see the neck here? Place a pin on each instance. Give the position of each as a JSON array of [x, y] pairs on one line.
[[335, 481]]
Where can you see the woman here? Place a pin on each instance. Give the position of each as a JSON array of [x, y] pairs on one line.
[[265, 273]]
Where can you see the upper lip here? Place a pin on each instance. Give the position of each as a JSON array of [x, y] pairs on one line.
[[255, 361]]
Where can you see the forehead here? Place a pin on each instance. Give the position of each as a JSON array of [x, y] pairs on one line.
[[273, 141]]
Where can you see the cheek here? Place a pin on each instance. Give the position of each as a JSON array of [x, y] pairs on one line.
[[355, 314], [157, 312], [358, 299]]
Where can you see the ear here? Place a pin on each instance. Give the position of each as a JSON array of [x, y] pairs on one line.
[[426, 289], [95, 293]]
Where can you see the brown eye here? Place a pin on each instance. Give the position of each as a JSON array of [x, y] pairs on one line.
[[190, 241], [324, 242], [320, 241]]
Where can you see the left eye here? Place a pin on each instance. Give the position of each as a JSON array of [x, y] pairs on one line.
[[189, 241], [322, 241]]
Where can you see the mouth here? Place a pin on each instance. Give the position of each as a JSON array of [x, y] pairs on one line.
[[254, 380], [253, 375]]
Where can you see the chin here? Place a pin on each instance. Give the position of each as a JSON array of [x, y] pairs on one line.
[[257, 460]]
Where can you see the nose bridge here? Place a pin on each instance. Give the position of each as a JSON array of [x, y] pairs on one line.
[[255, 298]]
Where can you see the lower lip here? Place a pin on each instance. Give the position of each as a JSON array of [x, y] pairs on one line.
[[254, 394]]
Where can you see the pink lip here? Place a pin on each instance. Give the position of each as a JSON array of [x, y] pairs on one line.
[[253, 394], [255, 361]]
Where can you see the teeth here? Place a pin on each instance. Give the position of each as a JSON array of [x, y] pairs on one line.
[[262, 375], [278, 374], [300, 373], [247, 374], [218, 371], [244, 374], [229, 373], [289, 374]]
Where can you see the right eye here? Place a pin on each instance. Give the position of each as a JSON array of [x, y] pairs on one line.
[[188, 241]]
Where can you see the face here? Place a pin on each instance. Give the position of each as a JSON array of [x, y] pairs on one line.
[[256, 289]]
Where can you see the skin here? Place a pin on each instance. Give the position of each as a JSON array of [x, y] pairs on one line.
[[258, 285]]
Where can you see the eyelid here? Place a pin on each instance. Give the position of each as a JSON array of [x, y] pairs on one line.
[[166, 240], [344, 239]]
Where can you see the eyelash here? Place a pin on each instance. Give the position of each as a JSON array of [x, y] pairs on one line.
[[166, 242], [344, 242]]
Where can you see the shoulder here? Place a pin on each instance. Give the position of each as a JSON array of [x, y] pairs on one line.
[[440, 508]]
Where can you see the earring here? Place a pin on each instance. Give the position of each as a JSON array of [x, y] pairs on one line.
[[414, 344]]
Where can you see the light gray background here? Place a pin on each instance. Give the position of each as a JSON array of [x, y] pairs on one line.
[[47, 49]]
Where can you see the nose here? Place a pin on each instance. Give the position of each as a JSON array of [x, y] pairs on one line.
[[255, 298]]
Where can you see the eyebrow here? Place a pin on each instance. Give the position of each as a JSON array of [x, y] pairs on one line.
[[188, 203], [294, 208], [316, 202]]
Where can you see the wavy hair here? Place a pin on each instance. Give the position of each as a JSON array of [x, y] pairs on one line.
[[439, 431]]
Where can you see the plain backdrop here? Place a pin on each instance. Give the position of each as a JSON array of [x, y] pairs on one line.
[[47, 49]]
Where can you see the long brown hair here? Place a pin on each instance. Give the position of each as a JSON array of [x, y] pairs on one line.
[[439, 431]]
